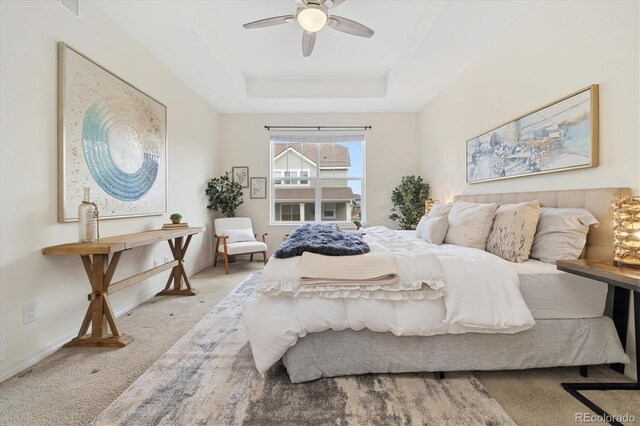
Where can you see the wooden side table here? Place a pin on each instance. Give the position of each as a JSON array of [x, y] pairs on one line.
[[626, 281]]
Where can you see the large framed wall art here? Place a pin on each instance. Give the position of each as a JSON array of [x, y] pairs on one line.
[[112, 138], [562, 135]]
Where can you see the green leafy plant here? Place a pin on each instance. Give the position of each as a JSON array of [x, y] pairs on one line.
[[408, 201], [175, 217], [224, 195], [357, 223]]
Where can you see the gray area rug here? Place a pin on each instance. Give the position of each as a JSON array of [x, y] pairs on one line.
[[208, 377]]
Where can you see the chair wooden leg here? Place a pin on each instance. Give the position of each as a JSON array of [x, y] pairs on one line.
[[264, 257], [226, 263], [251, 258], [215, 260]]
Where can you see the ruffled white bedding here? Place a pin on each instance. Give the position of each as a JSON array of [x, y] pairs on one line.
[[420, 273], [480, 295]]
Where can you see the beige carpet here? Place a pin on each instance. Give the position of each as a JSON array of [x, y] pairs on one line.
[[73, 386]]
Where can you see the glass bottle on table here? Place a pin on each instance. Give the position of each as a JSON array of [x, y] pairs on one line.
[[88, 218]]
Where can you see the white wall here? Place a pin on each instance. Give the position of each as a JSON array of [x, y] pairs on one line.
[[390, 154], [28, 221], [556, 49]]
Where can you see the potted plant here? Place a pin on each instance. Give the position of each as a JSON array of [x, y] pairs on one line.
[[408, 201], [175, 218], [224, 194], [357, 223]]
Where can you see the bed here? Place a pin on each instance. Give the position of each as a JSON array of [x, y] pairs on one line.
[[570, 328]]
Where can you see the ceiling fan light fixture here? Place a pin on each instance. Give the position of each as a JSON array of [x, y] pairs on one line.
[[312, 18]]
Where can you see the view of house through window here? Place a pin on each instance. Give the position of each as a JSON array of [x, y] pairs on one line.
[[319, 179]]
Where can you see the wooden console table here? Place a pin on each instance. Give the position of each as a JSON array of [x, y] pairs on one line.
[[100, 271]]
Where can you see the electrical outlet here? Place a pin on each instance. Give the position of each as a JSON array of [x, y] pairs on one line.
[[157, 262], [29, 313], [167, 259], [3, 343]]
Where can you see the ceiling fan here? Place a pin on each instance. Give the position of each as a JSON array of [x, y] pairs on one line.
[[312, 16]]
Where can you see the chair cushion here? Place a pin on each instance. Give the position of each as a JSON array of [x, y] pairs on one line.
[[243, 247], [239, 235], [223, 223]]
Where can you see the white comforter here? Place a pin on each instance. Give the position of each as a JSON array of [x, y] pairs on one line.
[[420, 273], [482, 296]]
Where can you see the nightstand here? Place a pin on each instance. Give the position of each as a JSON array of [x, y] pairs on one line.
[[626, 281]]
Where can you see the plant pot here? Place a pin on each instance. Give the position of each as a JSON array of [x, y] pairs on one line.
[[175, 221]]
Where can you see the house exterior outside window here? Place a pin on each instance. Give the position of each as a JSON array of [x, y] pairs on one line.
[[332, 191]]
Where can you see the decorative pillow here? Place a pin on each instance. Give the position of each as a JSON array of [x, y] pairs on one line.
[[470, 224], [432, 229], [561, 234], [239, 235], [513, 230], [440, 209]]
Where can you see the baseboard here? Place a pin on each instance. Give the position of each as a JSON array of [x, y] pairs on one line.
[[30, 361]]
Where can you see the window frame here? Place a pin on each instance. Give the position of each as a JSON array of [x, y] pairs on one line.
[[333, 209], [317, 180]]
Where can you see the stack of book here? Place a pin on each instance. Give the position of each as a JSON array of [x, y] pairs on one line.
[[175, 225]]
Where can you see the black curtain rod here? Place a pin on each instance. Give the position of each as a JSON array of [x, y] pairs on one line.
[[319, 128]]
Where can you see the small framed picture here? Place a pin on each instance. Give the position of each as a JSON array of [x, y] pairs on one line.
[[258, 187], [240, 175]]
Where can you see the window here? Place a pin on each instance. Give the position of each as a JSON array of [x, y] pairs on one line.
[[290, 174], [290, 212], [304, 173], [328, 210], [317, 178]]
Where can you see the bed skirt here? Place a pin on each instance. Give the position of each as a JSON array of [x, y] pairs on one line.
[[550, 343]]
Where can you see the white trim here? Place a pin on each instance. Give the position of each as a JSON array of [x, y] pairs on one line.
[[307, 159], [43, 353]]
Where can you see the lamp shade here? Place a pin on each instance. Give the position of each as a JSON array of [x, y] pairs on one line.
[[428, 204], [312, 18], [626, 229]]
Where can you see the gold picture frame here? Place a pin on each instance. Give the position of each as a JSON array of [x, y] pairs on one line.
[[559, 136]]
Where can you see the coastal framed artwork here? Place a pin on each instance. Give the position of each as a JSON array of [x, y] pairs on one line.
[[111, 138], [258, 187], [240, 175], [562, 135]]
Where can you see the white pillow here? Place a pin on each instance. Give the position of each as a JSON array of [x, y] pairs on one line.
[[432, 229], [561, 234], [470, 224], [239, 235], [513, 230], [440, 209]]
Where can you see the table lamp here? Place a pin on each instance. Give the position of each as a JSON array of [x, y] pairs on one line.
[[428, 204], [626, 231]]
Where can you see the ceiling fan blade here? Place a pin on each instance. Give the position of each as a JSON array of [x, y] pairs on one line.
[[308, 41], [332, 3], [350, 27], [268, 22]]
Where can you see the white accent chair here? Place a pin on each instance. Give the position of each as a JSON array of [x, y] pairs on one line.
[[233, 236]]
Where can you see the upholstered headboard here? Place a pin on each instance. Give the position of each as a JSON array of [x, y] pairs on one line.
[[597, 201]]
